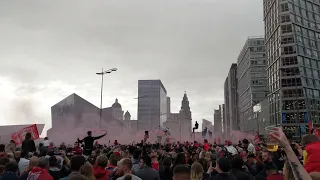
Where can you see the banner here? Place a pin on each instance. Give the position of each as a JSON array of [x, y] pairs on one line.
[[19, 136]]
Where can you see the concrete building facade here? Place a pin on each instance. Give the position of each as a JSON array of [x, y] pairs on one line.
[[252, 80], [292, 33], [231, 100], [217, 121], [152, 107]]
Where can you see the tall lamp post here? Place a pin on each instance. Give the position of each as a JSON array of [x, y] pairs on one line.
[[102, 73]]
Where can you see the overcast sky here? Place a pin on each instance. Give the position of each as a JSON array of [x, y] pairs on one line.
[[51, 49]]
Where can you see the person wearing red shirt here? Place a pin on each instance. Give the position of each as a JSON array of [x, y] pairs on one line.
[[99, 170], [206, 145], [76, 150], [154, 160], [312, 162], [41, 172]]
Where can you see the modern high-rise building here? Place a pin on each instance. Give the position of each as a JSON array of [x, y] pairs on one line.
[[252, 81], [223, 117], [217, 121], [168, 105], [292, 33], [152, 104], [231, 100]]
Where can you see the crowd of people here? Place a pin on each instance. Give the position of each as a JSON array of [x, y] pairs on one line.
[[86, 160]]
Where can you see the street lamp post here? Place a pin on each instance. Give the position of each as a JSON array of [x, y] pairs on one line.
[[102, 73]]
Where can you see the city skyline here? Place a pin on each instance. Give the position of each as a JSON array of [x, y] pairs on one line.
[[45, 57]]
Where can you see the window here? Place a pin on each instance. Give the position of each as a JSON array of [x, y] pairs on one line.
[[284, 7], [289, 61], [299, 39], [285, 18], [286, 28], [299, 20], [309, 6], [298, 29], [308, 52], [288, 50], [287, 40], [306, 42], [305, 32]]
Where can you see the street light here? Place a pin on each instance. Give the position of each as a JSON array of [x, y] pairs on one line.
[[102, 73]]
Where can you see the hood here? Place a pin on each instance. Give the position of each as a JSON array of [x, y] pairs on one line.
[[35, 173], [99, 172]]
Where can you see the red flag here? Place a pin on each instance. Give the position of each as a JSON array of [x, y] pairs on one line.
[[256, 139], [19, 136]]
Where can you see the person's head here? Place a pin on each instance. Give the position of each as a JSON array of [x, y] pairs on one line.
[[11, 166], [113, 160], [136, 154], [17, 154], [271, 168], [167, 162], [89, 133], [251, 158], [34, 162], [308, 139], [181, 172], [43, 163], [145, 161], [124, 166], [204, 163], [102, 161], [53, 162], [2, 147], [46, 138], [4, 160], [76, 144], [25, 154], [28, 136], [196, 171], [223, 165], [180, 159], [245, 143], [87, 171], [205, 141], [93, 154], [266, 156], [77, 162], [12, 142], [237, 162]]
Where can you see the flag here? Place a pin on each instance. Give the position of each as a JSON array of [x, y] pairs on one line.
[[256, 139], [19, 136], [310, 125]]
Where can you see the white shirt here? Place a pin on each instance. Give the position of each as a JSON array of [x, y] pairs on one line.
[[46, 143], [232, 150], [23, 164], [251, 148]]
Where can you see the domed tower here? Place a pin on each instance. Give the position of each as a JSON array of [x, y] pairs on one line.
[[117, 110], [127, 116]]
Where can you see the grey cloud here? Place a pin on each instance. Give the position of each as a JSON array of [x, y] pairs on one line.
[[188, 44]]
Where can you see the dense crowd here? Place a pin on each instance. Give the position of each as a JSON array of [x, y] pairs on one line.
[[86, 160]]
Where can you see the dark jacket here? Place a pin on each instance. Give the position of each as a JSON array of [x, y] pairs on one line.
[[28, 145], [9, 176], [165, 173], [240, 175], [24, 175], [222, 176], [55, 173], [147, 173], [89, 140]]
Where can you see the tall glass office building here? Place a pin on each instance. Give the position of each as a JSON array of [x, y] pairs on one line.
[[292, 35], [152, 104]]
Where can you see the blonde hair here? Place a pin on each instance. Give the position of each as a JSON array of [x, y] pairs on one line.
[[287, 171], [87, 171], [196, 171]]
